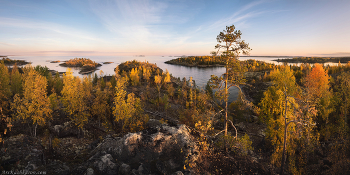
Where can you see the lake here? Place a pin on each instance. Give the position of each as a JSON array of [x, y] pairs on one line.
[[200, 75]]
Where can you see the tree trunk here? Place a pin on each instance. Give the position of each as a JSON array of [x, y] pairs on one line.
[[30, 129], [226, 102], [35, 126], [346, 111], [285, 135]]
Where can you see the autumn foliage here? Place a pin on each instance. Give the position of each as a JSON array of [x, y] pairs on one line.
[[317, 81], [34, 106], [313, 100]]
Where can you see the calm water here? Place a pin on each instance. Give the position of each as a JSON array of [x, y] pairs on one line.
[[200, 75]]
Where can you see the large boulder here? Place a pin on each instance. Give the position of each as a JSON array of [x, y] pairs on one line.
[[160, 149], [21, 152], [68, 129]]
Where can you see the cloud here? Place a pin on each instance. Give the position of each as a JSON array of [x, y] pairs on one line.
[[238, 16], [47, 26], [146, 22], [6, 44], [129, 18], [78, 52]]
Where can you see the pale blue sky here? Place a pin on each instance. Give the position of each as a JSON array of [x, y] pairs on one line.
[[172, 27]]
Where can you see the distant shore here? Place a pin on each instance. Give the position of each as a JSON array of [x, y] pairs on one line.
[[314, 60]]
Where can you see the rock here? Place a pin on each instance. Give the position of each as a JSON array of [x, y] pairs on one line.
[[89, 171], [106, 165], [68, 129], [57, 167], [253, 119], [142, 170], [161, 151], [261, 133], [124, 169], [22, 152], [164, 150], [240, 126], [94, 144], [178, 173], [153, 123]]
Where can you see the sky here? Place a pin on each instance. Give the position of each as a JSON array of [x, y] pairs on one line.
[[172, 27]]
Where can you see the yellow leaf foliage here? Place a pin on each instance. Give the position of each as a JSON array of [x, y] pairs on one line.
[[146, 73], [16, 81], [5, 92], [127, 108], [74, 96], [100, 107], [34, 107], [167, 76], [317, 81], [134, 77]]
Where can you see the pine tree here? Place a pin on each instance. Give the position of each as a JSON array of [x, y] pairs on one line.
[[233, 46]]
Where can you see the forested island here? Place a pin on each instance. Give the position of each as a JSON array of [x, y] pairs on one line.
[[86, 65], [217, 61], [9, 61], [197, 61]]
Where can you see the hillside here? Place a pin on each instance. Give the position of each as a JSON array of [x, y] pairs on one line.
[[142, 120]]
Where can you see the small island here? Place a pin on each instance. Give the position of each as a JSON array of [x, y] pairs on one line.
[[108, 62], [9, 61], [314, 60], [197, 61], [87, 66]]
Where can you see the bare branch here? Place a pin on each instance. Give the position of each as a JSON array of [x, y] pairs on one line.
[[219, 133], [233, 127]]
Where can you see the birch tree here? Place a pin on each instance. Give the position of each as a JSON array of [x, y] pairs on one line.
[[5, 90], [16, 81], [127, 108], [34, 108], [74, 99]]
